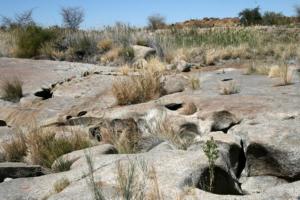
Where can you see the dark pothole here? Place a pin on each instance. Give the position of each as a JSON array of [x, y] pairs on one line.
[[227, 79], [82, 113], [3, 123], [173, 106], [223, 121], [45, 93], [222, 182]]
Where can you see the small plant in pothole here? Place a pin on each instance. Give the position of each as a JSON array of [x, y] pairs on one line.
[[212, 153]]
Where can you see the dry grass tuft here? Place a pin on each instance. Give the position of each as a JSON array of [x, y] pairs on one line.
[[45, 148], [105, 45], [110, 56], [12, 90], [229, 87], [274, 72], [258, 69], [126, 141], [154, 65], [137, 89], [61, 184], [16, 149], [194, 81], [124, 70], [286, 76]]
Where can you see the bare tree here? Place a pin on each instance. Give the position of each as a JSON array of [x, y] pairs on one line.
[[297, 10], [156, 21], [22, 19], [72, 17]]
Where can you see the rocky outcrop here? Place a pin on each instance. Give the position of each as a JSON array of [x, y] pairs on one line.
[[19, 170], [271, 147]]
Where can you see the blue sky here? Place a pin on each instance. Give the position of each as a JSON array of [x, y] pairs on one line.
[[135, 12]]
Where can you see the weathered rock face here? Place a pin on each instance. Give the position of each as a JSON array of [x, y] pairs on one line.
[[18, 170], [259, 184], [173, 84], [256, 132], [142, 52], [271, 147]]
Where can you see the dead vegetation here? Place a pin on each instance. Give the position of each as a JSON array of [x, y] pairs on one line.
[[229, 87], [42, 147], [137, 89], [11, 89]]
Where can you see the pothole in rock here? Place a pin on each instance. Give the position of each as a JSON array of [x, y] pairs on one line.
[[173, 106], [45, 93], [82, 113], [227, 79], [222, 182], [2, 123]]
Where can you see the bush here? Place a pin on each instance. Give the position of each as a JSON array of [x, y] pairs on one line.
[[250, 17], [72, 17], [273, 18], [156, 22], [81, 48], [127, 53], [30, 40], [12, 90], [105, 45]]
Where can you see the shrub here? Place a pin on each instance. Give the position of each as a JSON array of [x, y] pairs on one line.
[[30, 40], [105, 45], [16, 149], [156, 21], [297, 10], [211, 151], [250, 17], [81, 48], [61, 184], [137, 89], [127, 53], [12, 90], [273, 18]]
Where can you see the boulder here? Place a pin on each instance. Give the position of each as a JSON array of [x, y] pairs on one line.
[[172, 84], [142, 52], [18, 170], [271, 147], [183, 66], [222, 120]]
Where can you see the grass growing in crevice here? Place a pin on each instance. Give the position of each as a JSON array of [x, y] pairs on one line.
[[61, 184], [137, 89], [15, 149], [62, 164], [12, 89], [93, 186], [136, 180], [43, 148]]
